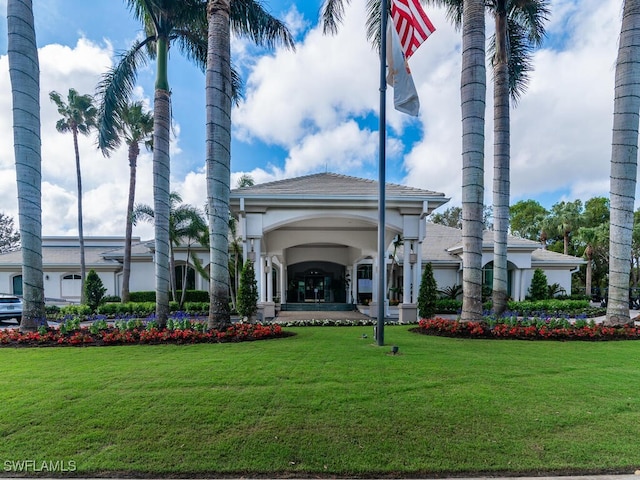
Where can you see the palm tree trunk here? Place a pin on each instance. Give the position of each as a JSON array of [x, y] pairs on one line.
[[24, 72], [588, 271], [161, 184], [218, 101], [501, 160], [134, 150], [83, 265], [473, 94], [624, 162]]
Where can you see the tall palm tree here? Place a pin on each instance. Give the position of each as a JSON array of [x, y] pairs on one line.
[[78, 117], [166, 22], [136, 126], [624, 162], [519, 27], [24, 72], [246, 18]]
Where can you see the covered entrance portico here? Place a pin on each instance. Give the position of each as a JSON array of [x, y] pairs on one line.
[[314, 239]]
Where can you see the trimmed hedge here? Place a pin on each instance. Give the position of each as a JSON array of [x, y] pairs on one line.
[[150, 296]]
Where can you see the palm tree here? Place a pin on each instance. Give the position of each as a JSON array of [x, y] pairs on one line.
[[470, 14], [519, 27], [566, 218], [624, 163], [24, 72], [166, 22], [78, 116], [136, 126], [246, 18], [185, 221], [591, 237]]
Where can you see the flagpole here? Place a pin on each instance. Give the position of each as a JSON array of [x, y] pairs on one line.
[[382, 264]]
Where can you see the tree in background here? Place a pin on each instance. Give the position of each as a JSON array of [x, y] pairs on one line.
[[248, 291], [526, 218], [428, 293], [185, 222], [24, 74], [78, 117], [136, 126], [452, 217], [9, 236]]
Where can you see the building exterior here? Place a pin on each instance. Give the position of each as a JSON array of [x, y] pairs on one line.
[[313, 240]]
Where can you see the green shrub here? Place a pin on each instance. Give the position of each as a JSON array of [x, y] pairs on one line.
[[428, 293], [111, 298], [81, 310], [94, 290], [142, 297], [247, 291], [194, 295], [446, 305], [539, 289]]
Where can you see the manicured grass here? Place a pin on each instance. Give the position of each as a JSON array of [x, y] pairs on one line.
[[326, 402]]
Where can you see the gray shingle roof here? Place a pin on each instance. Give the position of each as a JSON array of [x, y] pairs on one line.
[[328, 184]]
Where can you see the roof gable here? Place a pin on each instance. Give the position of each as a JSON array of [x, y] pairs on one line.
[[329, 185]]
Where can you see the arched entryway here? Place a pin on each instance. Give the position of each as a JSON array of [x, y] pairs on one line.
[[316, 282]]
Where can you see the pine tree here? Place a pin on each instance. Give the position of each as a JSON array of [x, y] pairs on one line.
[[247, 291], [428, 293], [539, 289], [93, 290]]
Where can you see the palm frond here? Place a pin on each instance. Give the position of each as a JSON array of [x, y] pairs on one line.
[[332, 15], [250, 19], [373, 22], [114, 91], [193, 46], [237, 86], [531, 15]]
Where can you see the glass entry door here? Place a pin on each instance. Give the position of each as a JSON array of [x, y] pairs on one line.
[[314, 288]]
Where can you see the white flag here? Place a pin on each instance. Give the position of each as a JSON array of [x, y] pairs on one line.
[[405, 95]]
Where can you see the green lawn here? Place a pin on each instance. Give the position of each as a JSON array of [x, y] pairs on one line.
[[326, 402]]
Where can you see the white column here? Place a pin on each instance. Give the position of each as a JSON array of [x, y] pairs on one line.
[[417, 272], [375, 272], [258, 268], [406, 272], [354, 284], [517, 285], [269, 279], [283, 283]]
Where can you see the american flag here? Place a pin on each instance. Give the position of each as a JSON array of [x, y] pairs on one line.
[[412, 24]]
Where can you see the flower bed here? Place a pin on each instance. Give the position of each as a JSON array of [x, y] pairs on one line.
[[534, 329], [136, 335]]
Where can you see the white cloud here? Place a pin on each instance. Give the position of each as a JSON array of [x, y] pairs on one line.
[[105, 180]]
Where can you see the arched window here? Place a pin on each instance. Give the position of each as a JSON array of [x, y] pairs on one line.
[[191, 277]]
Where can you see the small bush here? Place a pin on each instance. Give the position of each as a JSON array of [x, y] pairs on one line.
[[428, 293], [539, 289], [111, 299], [94, 290], [248, 291]]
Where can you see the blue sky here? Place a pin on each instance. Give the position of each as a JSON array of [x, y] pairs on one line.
[[316, 109]]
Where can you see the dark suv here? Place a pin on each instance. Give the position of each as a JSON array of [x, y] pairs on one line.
[[10, 307]]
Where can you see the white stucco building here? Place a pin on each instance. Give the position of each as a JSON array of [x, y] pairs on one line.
[[314, 242]]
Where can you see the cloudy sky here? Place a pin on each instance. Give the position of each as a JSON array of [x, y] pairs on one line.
[[316, 110]]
